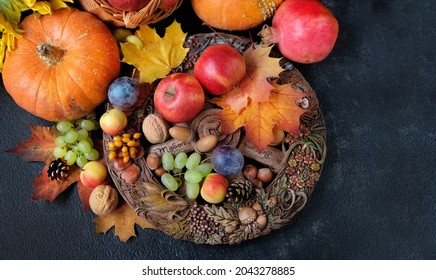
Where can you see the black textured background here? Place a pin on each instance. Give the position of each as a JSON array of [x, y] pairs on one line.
[[376, 198]]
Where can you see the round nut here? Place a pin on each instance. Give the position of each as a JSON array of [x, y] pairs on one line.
[[229, 229], [261, 221], [181, 133], [155, 129], [249, 171], [258, 207], [207, 143], [103, 200], [265, 175], [247, 215], [153, 161]]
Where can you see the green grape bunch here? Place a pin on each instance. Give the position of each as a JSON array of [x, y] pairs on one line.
[[74, 142], [183, 169]]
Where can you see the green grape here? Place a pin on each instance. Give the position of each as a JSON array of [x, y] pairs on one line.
[[87, 124], [78, 122], [204, 168], [71, 136], [169, 182], [59, 152], [193, 176], [82, 134], [177, 171], [192, 189], [168, 161], [89, 140], [180, 160], [84, 147], [81, 161], [60, 141], [70, 157], [92, 155], [193, 161], [178, 180], [64, 126]]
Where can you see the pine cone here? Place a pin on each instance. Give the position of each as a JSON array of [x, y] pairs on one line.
[[239, 191], [58, 170]]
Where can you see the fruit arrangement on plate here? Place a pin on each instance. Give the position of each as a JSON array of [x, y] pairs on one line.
[[212, 138]]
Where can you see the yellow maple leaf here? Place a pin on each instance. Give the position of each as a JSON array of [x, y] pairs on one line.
[[159, 56], [123, 218], [59, 4], [42, 7]]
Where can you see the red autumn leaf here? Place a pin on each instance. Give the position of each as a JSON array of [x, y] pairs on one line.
[[84, 193], [254, 86], [39, 146], [46, 189], [259, 118]]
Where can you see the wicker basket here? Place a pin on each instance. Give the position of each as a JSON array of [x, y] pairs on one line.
[[297, 163], [151, 13]]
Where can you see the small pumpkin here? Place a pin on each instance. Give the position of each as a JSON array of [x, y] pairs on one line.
[[235, 14], [62, 66]]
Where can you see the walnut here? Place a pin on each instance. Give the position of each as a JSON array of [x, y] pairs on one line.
[[155, 129], [103, 200]]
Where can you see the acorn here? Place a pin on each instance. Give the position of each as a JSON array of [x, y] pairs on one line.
[[261, 221], [247, 215]]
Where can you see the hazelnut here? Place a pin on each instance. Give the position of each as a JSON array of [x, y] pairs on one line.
[[207, 143], [265, 175], [160, 171], [153, 161], [249, 171], [181, 133], [247, 215], [103, 200], [155, 129]]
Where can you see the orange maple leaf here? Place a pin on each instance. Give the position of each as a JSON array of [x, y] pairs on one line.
[[254, 86], [259, 118], [39, 146], [123, 218]]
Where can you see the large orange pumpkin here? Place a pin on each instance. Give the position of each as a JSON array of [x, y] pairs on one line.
[[62, 66], [234, 14]]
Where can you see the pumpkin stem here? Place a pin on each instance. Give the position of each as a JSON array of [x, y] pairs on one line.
[[51, 55]]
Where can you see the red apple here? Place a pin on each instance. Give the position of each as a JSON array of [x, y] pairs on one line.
[[219, 68], [93, 174], [214, 188], [128, 5], [179, 97], [167, 4]]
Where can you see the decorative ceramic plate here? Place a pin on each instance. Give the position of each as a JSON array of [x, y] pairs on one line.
[[250, 209]]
